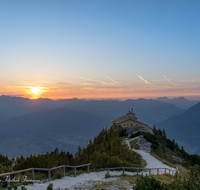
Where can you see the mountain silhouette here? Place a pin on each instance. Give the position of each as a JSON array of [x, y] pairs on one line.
[[185, 128], [180, 102]]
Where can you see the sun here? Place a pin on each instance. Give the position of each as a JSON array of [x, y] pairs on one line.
[[35, 90]]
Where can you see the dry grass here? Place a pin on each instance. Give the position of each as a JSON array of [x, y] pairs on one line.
[[164, 161], [132, 143], [164, 178], [122, 185], [184, 172], [136, 147]]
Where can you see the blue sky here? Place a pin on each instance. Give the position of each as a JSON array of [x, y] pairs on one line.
[[93, 49]]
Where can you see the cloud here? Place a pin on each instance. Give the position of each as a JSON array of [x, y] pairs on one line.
[[191, 80], [169, 80], [144, 80], [94, 80], [113, 81], [78, 83]]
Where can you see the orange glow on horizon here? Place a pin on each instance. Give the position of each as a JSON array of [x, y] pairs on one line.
[[53, 91]]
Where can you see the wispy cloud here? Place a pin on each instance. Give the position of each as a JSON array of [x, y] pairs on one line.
[[190, 80], [94, 80], [144, 80], [169, 80], [78, 83], [115, 82]]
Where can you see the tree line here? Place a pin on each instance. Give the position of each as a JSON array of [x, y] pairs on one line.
[[108, 149]]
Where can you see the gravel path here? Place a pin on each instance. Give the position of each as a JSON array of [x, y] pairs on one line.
[[93, 179], [151, 161]]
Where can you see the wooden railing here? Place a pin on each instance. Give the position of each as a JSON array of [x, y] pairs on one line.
[[44, 169], [74, 167], [123, 168]]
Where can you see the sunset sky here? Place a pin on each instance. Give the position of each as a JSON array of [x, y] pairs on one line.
[[100, 48]]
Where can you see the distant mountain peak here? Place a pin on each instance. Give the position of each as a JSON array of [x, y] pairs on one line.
[[180, 98], [181, 102], [163, 98]]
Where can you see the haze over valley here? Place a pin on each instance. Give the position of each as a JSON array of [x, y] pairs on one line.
[[40, 125]]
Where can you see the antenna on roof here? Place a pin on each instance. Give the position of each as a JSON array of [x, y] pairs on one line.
[[132, 110]]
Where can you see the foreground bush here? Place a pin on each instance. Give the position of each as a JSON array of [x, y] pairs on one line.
[[150, 183], [147, 183], [50, 186]]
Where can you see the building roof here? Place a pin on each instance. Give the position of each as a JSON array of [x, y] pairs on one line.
[[129, 116]]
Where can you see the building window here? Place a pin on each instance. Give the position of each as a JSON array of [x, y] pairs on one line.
[[131, 124], [127, 124], [124, 124]]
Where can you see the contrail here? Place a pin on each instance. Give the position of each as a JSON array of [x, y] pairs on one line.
[[169, 80], [144, 80], [113, 80], [94, 80]]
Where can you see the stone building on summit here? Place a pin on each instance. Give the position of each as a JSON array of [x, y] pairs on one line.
[[129, 121]]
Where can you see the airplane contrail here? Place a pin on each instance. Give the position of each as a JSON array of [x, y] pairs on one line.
[[144, 80], [113, 80]]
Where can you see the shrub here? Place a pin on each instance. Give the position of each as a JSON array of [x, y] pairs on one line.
[[57, 174], [107, 175], [50, 186], [23, 188], [136, 147], [153, 146], [39, 175], [146, 182], [135, 134], [151, 138]]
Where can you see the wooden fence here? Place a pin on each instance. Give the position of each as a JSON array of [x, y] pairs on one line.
[[43, 169], [149, 169], [74, 167]]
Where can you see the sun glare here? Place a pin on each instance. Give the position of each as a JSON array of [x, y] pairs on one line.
[[35, 90]]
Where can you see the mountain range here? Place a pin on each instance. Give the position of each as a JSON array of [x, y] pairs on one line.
[[180, 102], [37, 126], [43, 131], [185, 128]]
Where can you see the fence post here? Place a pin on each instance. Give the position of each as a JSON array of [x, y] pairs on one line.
[[107, 172], [169, 171], [165, 170], [74, 171], [149, 171], [137, 171], [157, 171], [123, 170], [32, 174], [63, 171], [8, 180], [88, 169], [49, 174]]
